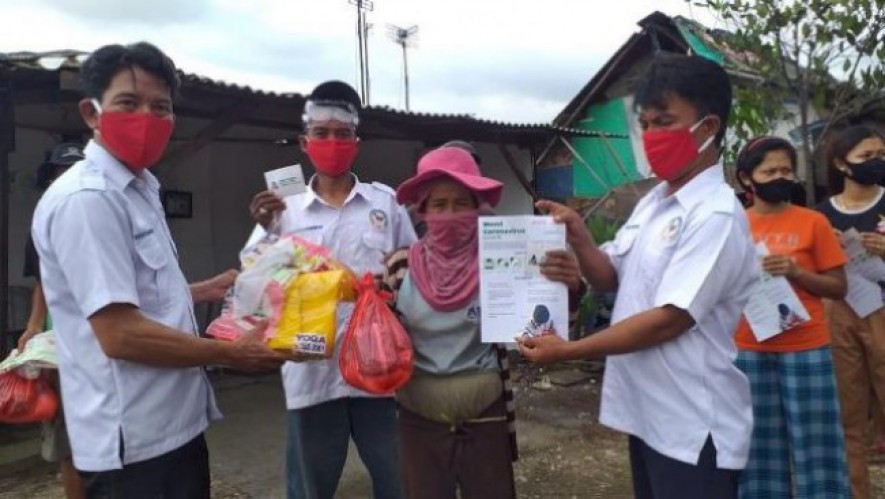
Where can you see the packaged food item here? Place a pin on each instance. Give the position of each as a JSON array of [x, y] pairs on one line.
[[295, 286], [308, 322]]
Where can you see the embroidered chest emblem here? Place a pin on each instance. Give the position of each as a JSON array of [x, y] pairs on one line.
[[378, 219], [671, 231]]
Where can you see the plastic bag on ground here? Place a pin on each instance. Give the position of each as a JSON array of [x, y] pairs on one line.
[[376, 352]]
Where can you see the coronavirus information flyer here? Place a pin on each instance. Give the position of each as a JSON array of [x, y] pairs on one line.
[[515, 298]]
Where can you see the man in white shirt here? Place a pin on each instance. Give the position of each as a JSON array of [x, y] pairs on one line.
[[136, 400], [683, 265], [360, 223]]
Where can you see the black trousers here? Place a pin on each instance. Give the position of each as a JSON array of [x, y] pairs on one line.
[[180, 474], [656, 476]]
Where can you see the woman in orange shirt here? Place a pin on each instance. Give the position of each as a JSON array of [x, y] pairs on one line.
[[798, 447]]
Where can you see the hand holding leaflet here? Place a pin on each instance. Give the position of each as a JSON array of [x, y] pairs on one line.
[[864, 272], [773, 307], [515, 297]]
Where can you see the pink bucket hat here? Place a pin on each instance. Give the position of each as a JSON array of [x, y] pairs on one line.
[[453, 163]]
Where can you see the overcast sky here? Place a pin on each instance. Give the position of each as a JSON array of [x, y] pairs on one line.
[[512, 60]]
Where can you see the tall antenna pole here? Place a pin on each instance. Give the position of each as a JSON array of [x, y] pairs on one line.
[[367, 28], [406, 75], [362, 31], [359, 40], [405, 38]]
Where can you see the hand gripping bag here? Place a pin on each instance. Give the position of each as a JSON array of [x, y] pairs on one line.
[[376, 352]]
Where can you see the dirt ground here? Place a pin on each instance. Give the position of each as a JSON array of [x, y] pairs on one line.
[[564, 452]]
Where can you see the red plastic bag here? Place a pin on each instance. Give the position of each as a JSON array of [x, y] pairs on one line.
[[24, 400], [376, 352]]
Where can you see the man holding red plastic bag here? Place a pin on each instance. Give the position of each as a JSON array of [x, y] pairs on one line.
[[359, 223]]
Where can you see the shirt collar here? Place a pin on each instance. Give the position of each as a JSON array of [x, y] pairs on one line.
[[115, 171], [359, 189], [696, 190]]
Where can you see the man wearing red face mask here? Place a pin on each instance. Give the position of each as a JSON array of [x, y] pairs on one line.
[[683, 266], [360, 223], [136, 399]]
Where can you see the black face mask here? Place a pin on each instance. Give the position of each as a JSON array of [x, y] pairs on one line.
[[779, 190], [870, 172]]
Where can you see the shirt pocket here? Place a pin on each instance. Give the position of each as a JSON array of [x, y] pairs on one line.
[[622, 244], [619, 248], [654, 262], [375, 245], [152, 270]]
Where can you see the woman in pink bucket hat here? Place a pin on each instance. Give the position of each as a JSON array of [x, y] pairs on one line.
[[456, 413]]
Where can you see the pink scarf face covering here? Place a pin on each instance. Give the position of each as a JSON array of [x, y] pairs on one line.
[[444, 264]]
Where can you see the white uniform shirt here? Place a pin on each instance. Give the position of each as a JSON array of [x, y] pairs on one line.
[[102, 238], [367, 228], [691, 250]]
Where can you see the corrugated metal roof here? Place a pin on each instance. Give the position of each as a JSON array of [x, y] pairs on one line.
[[72, 59], [204, 80]]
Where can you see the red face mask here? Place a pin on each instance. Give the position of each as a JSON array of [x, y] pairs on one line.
[[670, 151], [138, 140], [332, 157]]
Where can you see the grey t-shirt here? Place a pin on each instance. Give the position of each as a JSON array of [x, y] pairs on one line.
[[445, 342]]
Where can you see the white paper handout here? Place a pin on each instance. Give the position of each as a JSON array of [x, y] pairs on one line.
[[773, 307], [859, 261], [286, 181], [864, 272], [864, 296], [515, 298]]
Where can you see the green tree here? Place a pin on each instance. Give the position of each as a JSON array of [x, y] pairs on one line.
[[828, 55]]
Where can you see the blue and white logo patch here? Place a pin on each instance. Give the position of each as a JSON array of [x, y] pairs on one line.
[[473, 314]]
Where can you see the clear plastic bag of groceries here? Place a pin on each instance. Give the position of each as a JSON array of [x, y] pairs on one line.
[[295, 286]]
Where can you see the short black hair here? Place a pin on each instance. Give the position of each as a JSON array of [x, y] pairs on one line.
[[753, 154], [840, 146], [335, 90], [107, 61], [47, 172], [698, 80]]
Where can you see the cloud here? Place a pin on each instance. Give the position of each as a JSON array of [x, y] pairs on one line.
[[515, 60], [155, 12]]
